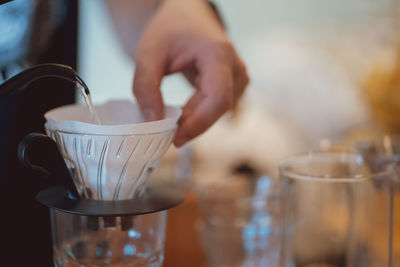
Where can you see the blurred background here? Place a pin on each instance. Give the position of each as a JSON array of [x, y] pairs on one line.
[[323, 74]]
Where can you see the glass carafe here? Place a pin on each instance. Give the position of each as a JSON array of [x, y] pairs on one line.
[[338, 211]]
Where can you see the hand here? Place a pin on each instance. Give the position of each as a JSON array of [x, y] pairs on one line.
[[185, 36]]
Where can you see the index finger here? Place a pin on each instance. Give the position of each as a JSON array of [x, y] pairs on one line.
[[149, 72], [214, 97]]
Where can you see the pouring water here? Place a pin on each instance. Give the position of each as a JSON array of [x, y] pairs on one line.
[[94, 117]]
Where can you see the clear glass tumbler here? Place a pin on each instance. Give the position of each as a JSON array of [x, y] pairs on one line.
[[239, 226], [124, 241], [338, 211]]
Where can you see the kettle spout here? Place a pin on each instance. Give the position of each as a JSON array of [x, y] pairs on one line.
[[22, 79]]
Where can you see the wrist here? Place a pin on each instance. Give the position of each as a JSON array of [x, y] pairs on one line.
[[208, 4]]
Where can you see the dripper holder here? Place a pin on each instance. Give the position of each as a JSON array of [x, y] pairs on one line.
[[102, 176], [40, 153]]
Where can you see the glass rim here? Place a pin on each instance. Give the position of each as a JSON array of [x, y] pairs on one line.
[[336, 179]]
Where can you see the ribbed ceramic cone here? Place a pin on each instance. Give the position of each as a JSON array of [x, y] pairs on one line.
[[110, 162]]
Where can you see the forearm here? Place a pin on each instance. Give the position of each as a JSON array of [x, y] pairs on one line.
[[129, 18]]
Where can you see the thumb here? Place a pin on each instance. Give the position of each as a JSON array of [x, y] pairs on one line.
[[146, 85]]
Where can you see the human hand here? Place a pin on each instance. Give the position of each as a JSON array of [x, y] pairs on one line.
[[185, 36]]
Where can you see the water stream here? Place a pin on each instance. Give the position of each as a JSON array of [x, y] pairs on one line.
[[94, 117]]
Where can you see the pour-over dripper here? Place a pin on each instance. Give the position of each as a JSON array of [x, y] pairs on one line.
[[110, 161]]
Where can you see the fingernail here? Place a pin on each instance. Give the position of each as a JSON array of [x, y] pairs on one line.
[[149, 114], [181, 141]]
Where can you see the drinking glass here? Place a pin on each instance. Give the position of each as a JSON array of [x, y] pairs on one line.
[[337, 211], [122, 241], [239, 226]]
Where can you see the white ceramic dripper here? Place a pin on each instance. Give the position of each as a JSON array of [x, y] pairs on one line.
[[110, 161]]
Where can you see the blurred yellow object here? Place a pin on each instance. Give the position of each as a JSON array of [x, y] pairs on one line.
[[382, 89]]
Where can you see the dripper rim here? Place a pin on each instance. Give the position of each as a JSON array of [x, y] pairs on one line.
[[125, 129], [50, 129]]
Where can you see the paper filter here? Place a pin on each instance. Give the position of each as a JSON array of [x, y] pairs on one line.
[[110, 161]]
